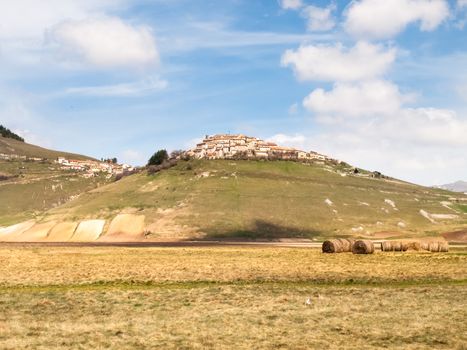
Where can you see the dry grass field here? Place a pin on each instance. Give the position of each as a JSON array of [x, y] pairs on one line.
[[230, 297]]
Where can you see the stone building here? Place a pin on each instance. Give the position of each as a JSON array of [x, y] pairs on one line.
[[226, 146]]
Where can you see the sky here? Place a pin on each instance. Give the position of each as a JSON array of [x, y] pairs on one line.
[[379, 84]]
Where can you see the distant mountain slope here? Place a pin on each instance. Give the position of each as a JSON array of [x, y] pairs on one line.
[[16, 147], [458, 186]]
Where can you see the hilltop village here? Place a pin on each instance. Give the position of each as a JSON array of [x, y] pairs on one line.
[[92, 167], [226, 146]]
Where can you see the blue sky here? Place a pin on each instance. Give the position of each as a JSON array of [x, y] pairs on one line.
[[380, 84]]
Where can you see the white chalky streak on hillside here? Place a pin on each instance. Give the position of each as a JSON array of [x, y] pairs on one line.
[[426, 215], [391, 203]]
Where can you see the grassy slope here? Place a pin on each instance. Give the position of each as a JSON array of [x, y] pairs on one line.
[[36, 186], [10, 146], [230, 298], [265, 200]]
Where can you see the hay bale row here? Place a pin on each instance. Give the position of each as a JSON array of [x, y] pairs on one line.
[[438, 247], [414, 246], [340, 245], [363, 247], [394, 246], [397, 246]]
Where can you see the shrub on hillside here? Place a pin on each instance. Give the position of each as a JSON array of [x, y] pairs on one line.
[[153, 169], [159, 157], [176, 154], [241, 155], [126, 173]]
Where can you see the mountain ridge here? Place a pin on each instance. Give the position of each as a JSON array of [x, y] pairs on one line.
[[457, 186]]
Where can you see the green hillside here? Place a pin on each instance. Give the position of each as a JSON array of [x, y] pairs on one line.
[[28, 188], [11, 146], [270, 199]]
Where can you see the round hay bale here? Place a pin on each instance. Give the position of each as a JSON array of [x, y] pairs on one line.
[[433, 247], [424, 246], [444, 247], [415, 246], [346, 244], [386, 246], [332, 246], [404, 246], [363, 247], [351, 242], [397, 246]]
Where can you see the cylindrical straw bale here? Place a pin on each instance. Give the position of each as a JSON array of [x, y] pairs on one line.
[[444, 247], [424, 246], [397, 246], [386, 246], [346, 244], [363, 247], [332, 246], [433, 247], [404, 246], [415, 246]]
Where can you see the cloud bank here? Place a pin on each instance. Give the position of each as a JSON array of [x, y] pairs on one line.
[[382, 19]]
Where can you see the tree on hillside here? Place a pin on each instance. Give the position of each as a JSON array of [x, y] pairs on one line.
[[9, 134], [159, 157], [175, 154]]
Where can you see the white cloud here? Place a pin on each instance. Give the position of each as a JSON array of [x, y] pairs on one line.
[[28, 19], [379, 19], [319, 18], [461, 3], [196, 35], [138, 88], [422, 145], [431, 126], [360, 99], [336, 63], [297, 140], [291, 4], [106, 42]]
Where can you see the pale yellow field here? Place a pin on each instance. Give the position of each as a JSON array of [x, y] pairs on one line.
[[31, 265], [230, 298]]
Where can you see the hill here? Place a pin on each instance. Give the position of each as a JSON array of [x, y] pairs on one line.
[[7, 133], [31, 182], [458, 186], [10, 146], [227, 199]]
